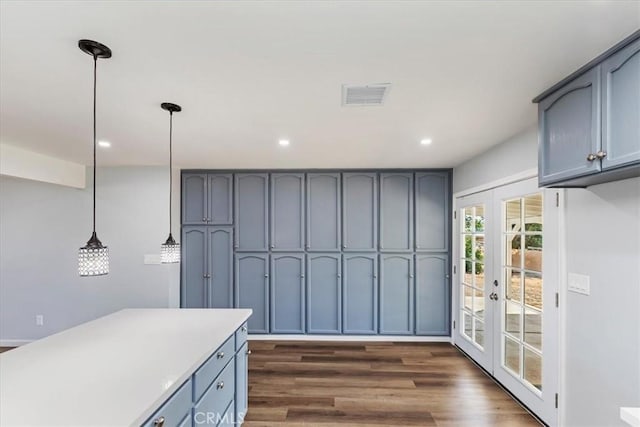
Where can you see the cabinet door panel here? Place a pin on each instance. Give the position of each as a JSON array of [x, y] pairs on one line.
[[396, 212], [360, 295], [287, 293], [432, 295], [396, 294], [360, 211], [287, 212], [220, 199], [242, 383], [569, 122], [251, 200], [323, 216], [252, 289], [324, 293], [194, 267], [194, 199], [621, 107], [221, 267], [432, 211]]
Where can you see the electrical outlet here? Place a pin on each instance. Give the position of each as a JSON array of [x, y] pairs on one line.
[[39, 320]]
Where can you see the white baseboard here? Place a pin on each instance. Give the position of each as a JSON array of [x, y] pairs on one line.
[[14, 343], [347, 338]]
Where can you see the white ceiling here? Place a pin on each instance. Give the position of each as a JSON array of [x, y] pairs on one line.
[[249, 73]]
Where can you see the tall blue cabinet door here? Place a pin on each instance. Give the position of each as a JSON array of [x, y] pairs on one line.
[[360, 212], [432, 294], [287, 293], [621, 107], [251, 213], [194, 267], [287, 211], [323, 214], [360, 294], [569, 126], [396, 294], [220, 199], [220, 260], [242, 383], [252, 289], [396, 212], [324, 288], [195, 208], [432, 211]]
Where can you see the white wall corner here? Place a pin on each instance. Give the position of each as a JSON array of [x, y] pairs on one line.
[[20, 163]]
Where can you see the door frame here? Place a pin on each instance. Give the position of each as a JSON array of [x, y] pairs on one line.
[[561, 271]]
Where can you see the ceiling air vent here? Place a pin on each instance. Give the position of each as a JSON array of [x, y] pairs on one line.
[[359, 95]]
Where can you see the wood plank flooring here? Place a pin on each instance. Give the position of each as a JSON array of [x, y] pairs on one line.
[[373, 384]]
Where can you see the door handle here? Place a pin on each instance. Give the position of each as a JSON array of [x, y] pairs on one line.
[[495, 283], [493, 296]]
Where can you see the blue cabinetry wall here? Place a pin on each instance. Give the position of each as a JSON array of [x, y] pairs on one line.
[[321, 252]]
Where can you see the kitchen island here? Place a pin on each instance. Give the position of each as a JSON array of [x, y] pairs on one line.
[[152, 367]]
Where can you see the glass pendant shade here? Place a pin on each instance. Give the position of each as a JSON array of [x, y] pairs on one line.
[[170, 251], [93, 258]]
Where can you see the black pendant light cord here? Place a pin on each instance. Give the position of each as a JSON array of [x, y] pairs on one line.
[[95, 66], [170, 163]]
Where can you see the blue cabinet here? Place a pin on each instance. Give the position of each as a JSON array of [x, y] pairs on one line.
[[175, 410], [396, 294], [287, 212], [219, 194], [432, 294], [323, 212], [589, 124], [195, 199], [324, 293], [360, 212], [287, 293], [252, 288], [396, 212], [194, 267], [432, 195], [360, 294], [242, 382], [251, 212], [220, 259]]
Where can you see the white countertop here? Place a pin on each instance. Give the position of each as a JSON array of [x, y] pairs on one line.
[[113, 371], [631, 416]]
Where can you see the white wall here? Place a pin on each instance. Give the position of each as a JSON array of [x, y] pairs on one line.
[[43, 225], [602, 364]]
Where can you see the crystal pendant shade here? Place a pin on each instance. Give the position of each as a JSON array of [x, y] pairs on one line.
[[170, 251], [93, 258]]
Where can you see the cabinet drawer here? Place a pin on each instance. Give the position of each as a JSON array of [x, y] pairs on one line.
[[241, 336], [212, 367], [216, 399], [175, 409], [228, 419]]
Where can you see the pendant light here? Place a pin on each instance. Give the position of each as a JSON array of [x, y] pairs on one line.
[[93, 258], [170, 250]]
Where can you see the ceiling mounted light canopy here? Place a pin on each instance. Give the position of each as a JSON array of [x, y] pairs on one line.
[[93, 258], [170, 249]]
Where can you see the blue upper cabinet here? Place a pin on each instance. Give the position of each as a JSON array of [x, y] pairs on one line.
[[323, 214], [621, 107], [287, 212], [569, 122], [194, 199], [220, 194], [360, 212], [396, 212], [589, 124], [287, 293], [251, 213], [432, 211]]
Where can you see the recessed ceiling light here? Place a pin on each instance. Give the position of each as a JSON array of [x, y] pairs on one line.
[[283, 142], [104, 144], [426, 141]]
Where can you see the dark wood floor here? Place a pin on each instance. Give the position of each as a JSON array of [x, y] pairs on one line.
[[373, 384]]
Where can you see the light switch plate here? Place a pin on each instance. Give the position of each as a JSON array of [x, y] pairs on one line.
[[152, 259], [579, 283]]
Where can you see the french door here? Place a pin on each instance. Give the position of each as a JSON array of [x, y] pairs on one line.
[[506, 284]]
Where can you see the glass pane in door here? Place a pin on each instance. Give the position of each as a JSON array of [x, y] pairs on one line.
[[472, 239], [521, 325]]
